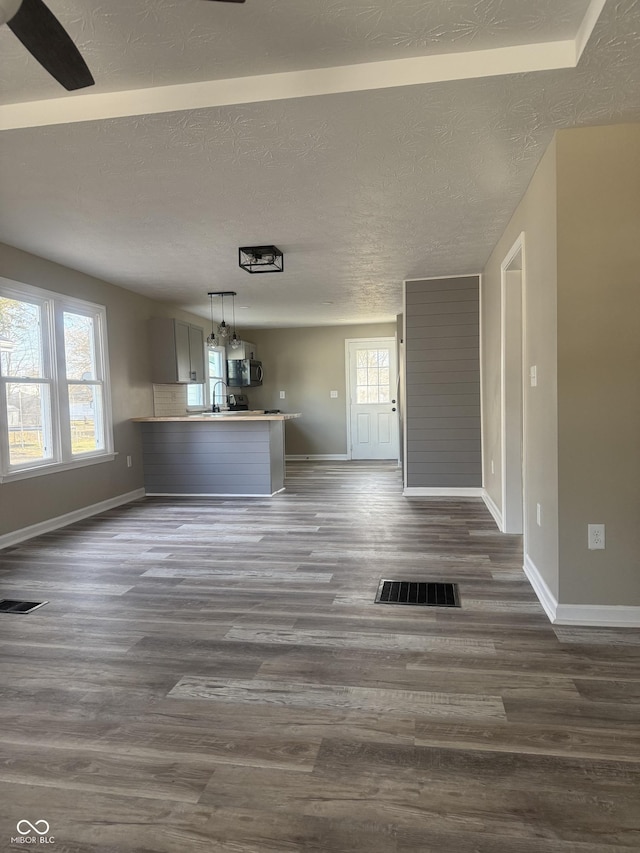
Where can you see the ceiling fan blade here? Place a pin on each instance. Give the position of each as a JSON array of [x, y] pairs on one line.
[[47, 41]]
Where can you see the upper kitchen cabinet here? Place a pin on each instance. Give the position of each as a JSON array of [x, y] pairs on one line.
[[177, 351], [245, 350]]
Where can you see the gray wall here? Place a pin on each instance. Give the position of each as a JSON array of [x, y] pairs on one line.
[[38, 499], [581, 221], [599, 362], [442, 378], [307, 364]]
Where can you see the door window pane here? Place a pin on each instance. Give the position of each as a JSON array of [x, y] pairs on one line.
[[28, 419], [372, 376], [79, 346], [20, 339]]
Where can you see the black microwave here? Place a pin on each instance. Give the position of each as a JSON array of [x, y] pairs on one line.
[[244, 372]]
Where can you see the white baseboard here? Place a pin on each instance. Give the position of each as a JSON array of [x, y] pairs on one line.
[[546, 598], [441, 492], [585, 615], [317, 457], [25, 533], [598, 615], [493, 509]]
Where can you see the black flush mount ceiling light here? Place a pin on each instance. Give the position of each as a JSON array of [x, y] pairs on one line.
[[255, 259]]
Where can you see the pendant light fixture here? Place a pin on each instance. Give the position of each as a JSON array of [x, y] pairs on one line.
[[223, 329], [212, 340], [223, 335], [235, 341]]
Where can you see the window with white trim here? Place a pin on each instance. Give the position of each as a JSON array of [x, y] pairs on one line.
[[217, 375], [195, 395], [54, 384]]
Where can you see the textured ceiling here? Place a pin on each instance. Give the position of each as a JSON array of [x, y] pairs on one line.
[[360, 189], [138, 43]]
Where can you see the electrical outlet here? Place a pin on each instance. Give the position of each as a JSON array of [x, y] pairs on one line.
[[538, 515], [596, 537], [283, 394], [129, 462]]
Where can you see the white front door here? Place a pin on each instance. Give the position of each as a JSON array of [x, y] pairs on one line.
[[373, 416]]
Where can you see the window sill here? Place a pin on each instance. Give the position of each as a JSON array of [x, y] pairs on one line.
[[56, 467]]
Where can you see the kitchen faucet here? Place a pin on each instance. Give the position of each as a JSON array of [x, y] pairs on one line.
[[215, 407]]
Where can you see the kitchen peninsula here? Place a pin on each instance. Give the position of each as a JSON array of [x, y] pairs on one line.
[[226, 453]]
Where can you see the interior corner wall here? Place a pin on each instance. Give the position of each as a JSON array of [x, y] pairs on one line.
[[535, 217], [442, 384], [599, 362], [307, 364], [35, 500]]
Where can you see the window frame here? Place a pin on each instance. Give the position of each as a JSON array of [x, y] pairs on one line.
[[217, 398], [52, 307]]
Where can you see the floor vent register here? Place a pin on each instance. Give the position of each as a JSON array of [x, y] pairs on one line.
[[418, 593], [10, 605]]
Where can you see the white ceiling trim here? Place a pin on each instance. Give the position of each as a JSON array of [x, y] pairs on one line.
[[586, 27], [362, 77]]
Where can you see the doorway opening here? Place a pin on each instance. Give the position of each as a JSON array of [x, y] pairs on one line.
[[512, 386]]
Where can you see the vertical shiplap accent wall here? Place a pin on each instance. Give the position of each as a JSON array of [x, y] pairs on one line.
[[442, 347]]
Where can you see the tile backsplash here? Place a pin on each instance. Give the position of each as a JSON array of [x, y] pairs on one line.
[[169, 400]]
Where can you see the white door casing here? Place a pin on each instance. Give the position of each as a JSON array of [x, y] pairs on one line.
[[372, 413], [512, 391]]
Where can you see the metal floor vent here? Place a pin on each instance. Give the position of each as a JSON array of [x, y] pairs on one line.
[[10, 605], [418, 593]]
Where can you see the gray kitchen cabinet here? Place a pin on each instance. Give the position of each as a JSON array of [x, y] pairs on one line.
[[177, 351]]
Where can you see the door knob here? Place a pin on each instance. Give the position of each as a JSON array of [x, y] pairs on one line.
[[393, 401], [393, 410]]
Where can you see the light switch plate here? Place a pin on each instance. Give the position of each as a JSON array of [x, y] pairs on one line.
[[334, 395], [283, 394], [533, 375]]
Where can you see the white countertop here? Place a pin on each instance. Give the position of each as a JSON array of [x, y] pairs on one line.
[[217, 417]]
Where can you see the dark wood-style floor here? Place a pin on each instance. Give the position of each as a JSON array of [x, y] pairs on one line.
[[213, 675]]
